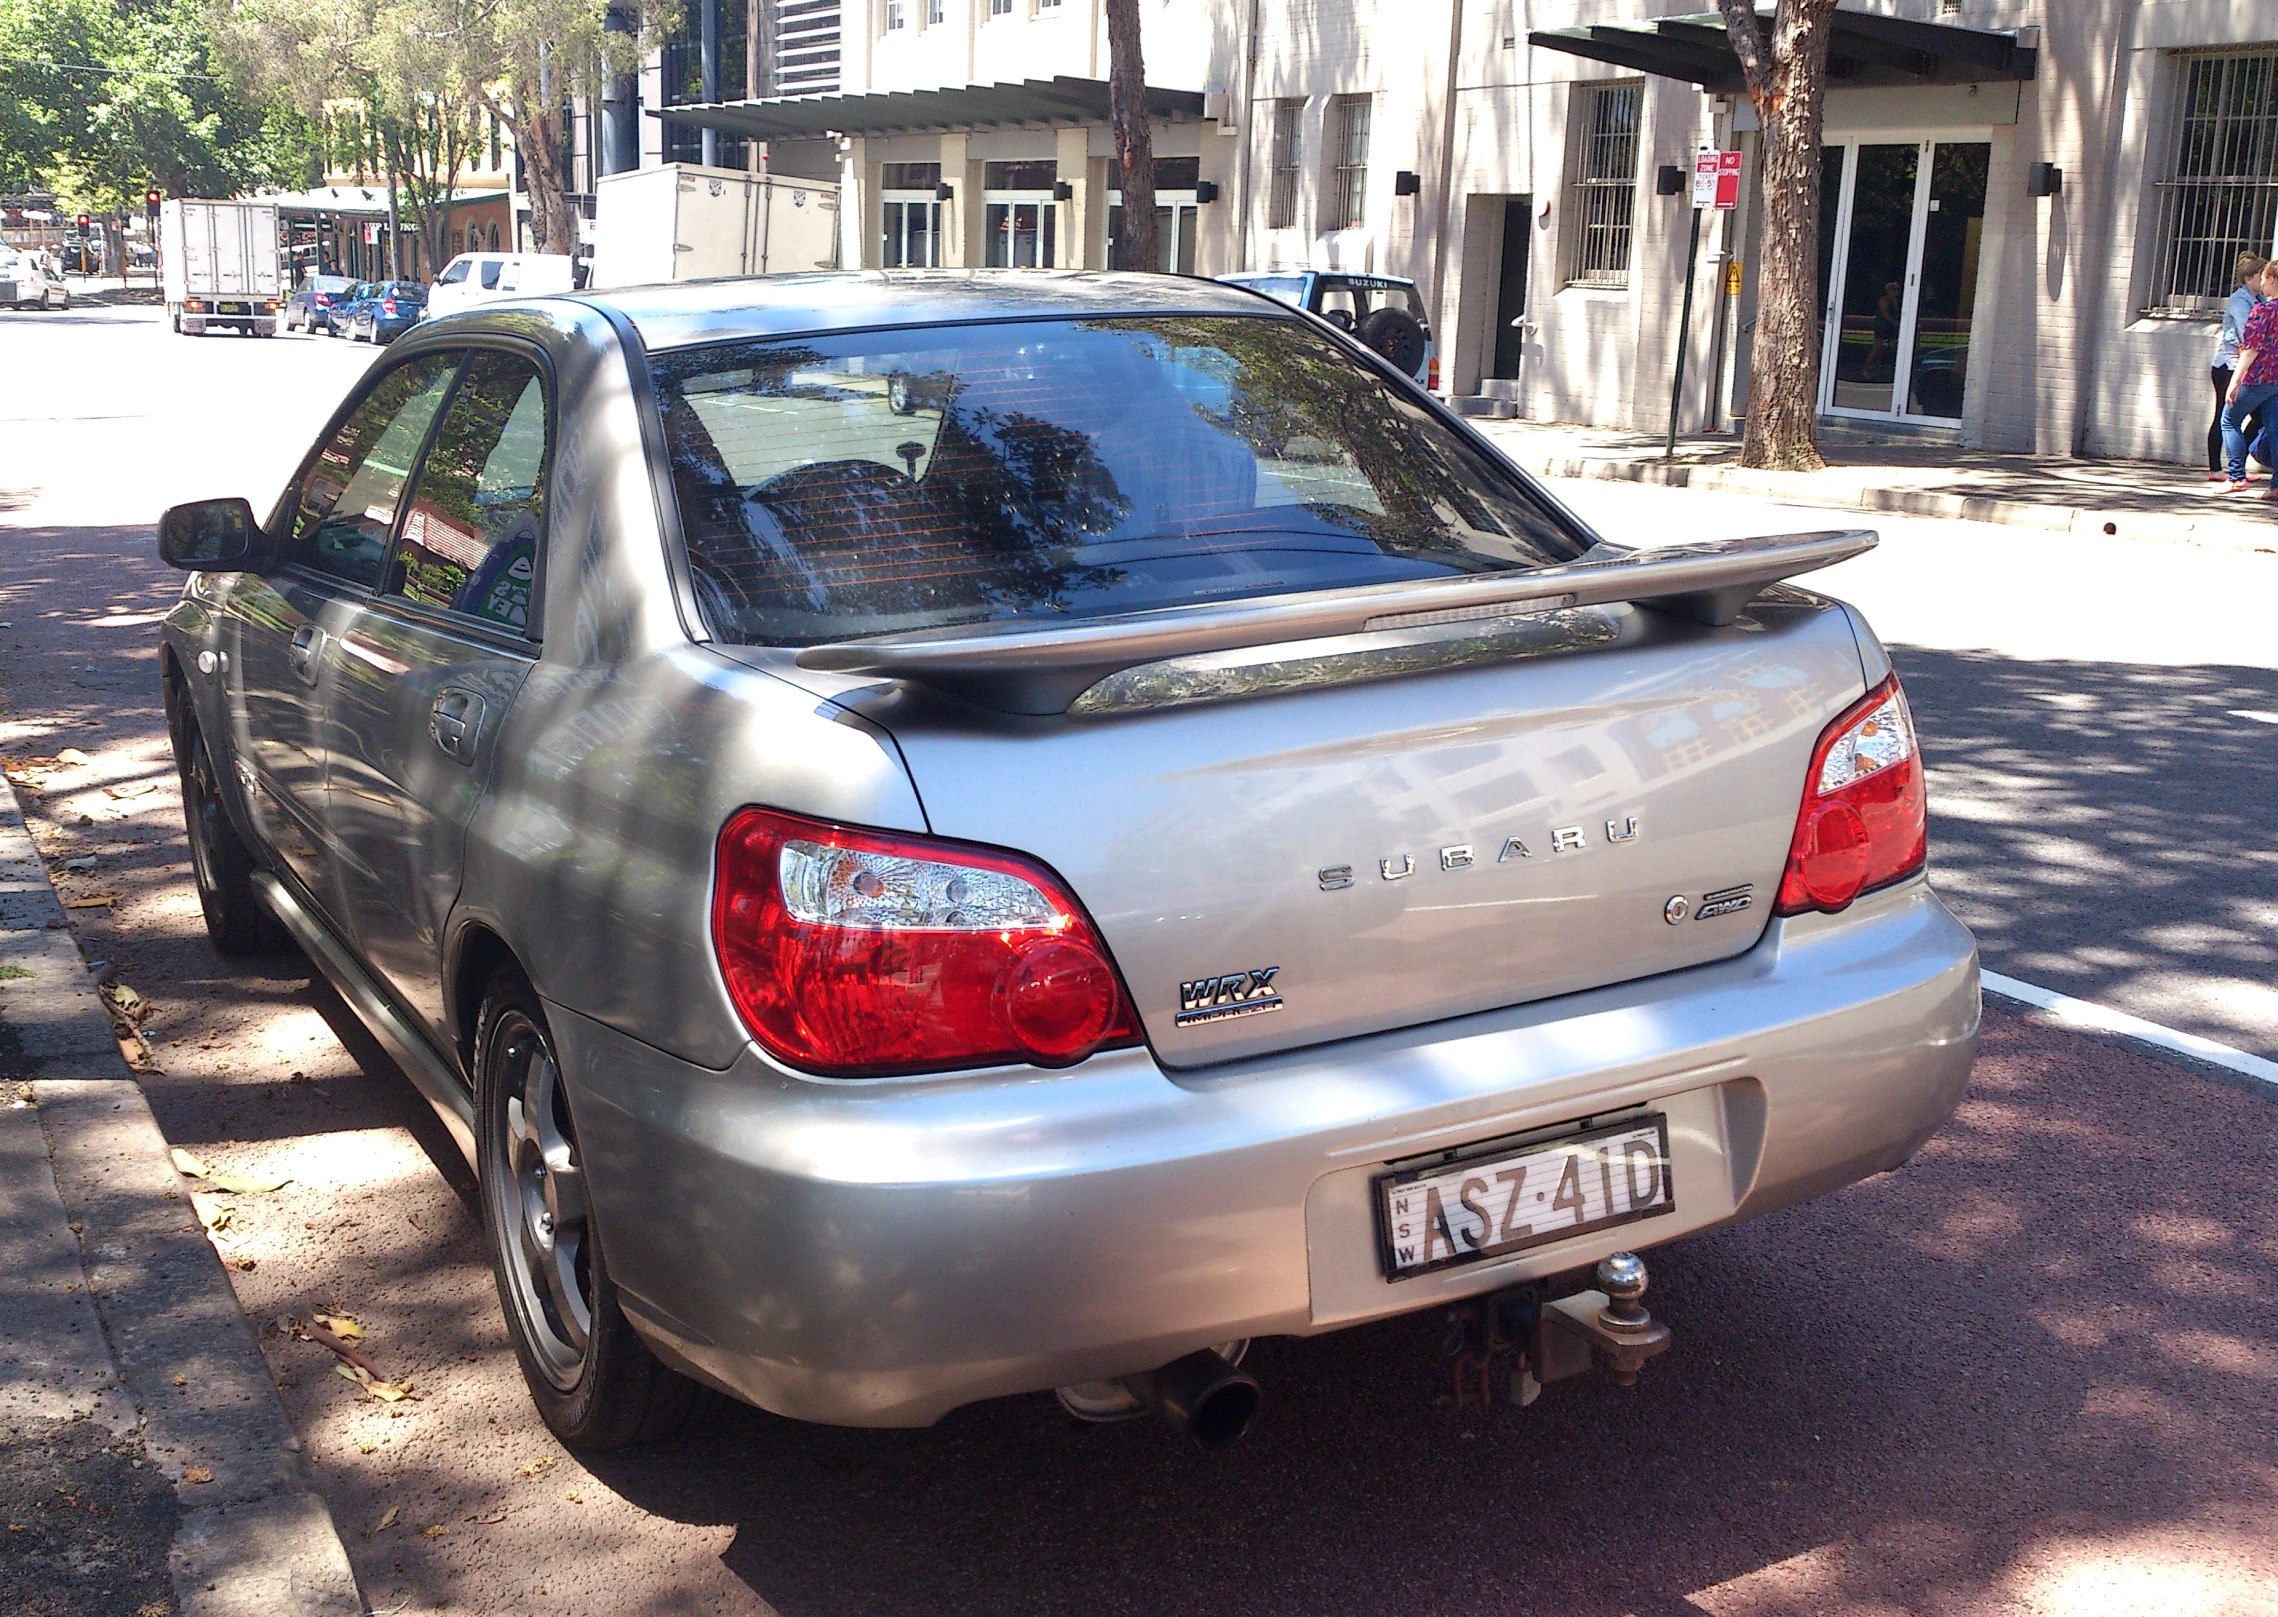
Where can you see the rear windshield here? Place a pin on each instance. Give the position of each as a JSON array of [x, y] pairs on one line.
[[878, 482]]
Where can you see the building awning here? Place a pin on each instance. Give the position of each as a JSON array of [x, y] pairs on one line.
[[358, 201], [1864, 50], [1034, 102]]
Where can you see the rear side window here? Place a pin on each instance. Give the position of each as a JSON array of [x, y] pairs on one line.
[[842, 486], [346, 505], [490, 269], [470, 539]]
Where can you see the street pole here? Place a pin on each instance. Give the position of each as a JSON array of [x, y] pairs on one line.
[[1684, 336]]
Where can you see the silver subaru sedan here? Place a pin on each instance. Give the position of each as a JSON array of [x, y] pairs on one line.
[[942, 835]]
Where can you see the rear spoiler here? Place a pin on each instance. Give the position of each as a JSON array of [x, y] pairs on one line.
[[1042, 670]]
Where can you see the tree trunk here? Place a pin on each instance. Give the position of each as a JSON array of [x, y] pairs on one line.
[[537, 133], [1788, 85], [1135, 247]]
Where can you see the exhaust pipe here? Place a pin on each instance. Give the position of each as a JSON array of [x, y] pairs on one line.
[[1203, 1396]]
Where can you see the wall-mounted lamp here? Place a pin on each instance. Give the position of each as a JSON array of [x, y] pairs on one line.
[[1062, 191], [1206, 191], [2047, 179], [1407, 183], [1670, 181], [944, 191]]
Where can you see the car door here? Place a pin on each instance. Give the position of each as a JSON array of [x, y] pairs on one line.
[[286, 621], [430, 665]]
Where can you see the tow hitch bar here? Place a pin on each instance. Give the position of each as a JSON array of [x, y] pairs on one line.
[[1542, 1340]]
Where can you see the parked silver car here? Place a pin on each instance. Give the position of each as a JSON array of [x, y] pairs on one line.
[[943, 835]]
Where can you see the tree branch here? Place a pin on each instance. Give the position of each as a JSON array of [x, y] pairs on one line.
[[1756, 65]]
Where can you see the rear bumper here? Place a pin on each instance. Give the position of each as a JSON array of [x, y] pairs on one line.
[[881, 1253]]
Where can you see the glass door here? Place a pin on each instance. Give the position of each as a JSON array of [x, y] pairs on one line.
[[1177, 218], [1899, 261], [913, 231], [1019, 216]]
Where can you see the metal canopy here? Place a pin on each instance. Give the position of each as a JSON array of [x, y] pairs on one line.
[[1863, 50], [1043, 102]]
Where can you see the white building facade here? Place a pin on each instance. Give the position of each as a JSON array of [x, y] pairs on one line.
[[2031, 206]]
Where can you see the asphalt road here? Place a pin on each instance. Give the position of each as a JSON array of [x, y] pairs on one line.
[[2031, 1372]]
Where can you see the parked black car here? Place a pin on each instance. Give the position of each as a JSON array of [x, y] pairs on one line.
[[387, 311], [311, 303]]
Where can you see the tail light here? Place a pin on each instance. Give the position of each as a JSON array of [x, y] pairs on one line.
[[1432, 375], [323, 299], [196, 306], [865, 954], [1863, 824], [387, 305]]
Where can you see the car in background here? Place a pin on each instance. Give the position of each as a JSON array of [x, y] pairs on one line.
[[969, 833], [342, 309], [32, 281], [311, 303], [474, 278], [1384, 312], [388, 311]]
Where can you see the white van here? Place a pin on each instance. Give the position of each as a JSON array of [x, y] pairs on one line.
[[473, 278]]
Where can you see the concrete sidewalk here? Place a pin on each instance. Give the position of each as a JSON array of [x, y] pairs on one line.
[[130, 1384], [2137, 499]]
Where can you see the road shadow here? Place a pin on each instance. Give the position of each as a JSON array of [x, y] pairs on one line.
[[2049, 1327], [2105, 829]]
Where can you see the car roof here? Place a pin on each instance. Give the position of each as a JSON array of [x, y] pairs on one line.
[[689, 312]]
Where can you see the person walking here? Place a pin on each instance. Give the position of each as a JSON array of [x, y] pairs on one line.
[[2246, 272], [2255, 380]]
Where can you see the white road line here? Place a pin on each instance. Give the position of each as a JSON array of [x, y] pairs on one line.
[[2069, 1012]]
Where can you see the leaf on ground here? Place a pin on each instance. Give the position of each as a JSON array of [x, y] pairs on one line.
[[492, 1519], [542, 1463], [130, 1006], [94, 901], [387, 1392], [343, 1326], [249, 1184], [214, 1213], [131, 788], [198, 1473], [72, 755], [13, 973], [189, 1163], [85, 861], [435, 1531], [388, 1520]]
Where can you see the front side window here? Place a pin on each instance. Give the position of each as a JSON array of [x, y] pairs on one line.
[[1348, 188], [452, 276], [1288, 152], [1603, 169], [346, 505], [863, 484], [471, 535], [2223, 199]]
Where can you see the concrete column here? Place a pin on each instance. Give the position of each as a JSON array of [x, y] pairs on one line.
[[859, 216], [708, 67], [1076, 247]]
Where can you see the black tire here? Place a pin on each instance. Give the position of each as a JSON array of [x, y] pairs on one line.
[[237, 922], [594, 1381], [1397, 335]]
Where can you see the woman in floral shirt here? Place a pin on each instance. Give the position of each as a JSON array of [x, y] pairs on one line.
[[2255, 383]]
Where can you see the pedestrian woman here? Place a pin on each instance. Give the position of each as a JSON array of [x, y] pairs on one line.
[[2247, 273], [2254, 383]]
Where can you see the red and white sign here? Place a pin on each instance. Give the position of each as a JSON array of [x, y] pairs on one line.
[[1716, 179]]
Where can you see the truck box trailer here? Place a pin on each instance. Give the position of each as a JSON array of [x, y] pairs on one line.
[[684, 222], [220, 265]]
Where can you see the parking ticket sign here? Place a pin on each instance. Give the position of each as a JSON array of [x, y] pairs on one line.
[[1716, 179]]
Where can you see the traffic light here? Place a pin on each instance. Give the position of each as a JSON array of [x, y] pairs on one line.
[[150, 200]]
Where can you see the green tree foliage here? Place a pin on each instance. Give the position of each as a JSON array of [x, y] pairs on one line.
[[102, 98]]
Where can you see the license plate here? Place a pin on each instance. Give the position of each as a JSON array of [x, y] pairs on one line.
[[1485, 1206]]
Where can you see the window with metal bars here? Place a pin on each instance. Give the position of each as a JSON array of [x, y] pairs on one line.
[[1288, 151], [2223, 200], [1602, 189], [1348, 172]]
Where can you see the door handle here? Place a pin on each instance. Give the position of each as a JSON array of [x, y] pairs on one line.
[[306, 652], [455, 721]]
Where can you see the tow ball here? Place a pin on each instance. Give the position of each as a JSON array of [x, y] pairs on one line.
[[1536, 1340]]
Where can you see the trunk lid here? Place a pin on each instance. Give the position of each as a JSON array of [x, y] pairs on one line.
[[1344, 858]]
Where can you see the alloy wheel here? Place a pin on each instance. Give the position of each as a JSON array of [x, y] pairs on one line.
[[538, 1200]]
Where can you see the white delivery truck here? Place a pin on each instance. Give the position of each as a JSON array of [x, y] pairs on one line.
[[220, 265], [684, 222]]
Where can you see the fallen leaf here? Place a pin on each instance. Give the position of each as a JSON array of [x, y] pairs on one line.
[[246, 1264], [349, 1371], [366, 1446], [543, 1462], [341, 1325], [575, 1499], [132, 788], [98, 901], [188, 1164], [387, 1392], [181, 1381], [214, 1213], [491, 1520], [436, 1531], [72, 755], [388, 1520], [85, 861], [247, 1184], [198, 1473]]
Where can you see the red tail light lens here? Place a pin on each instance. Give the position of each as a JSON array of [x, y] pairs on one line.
[[866, 954], [1863, 824], [1432, 375], [387, 305]]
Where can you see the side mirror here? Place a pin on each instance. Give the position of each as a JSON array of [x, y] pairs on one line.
[[219, 536]]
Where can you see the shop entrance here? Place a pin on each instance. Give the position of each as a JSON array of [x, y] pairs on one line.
[[1511, 289], [1020, 216], [1900, 226]]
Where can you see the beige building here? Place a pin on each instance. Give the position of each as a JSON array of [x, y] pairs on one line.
[[2029, 208]]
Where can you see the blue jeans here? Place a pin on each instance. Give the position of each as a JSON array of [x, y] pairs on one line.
[[2235, 415]]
